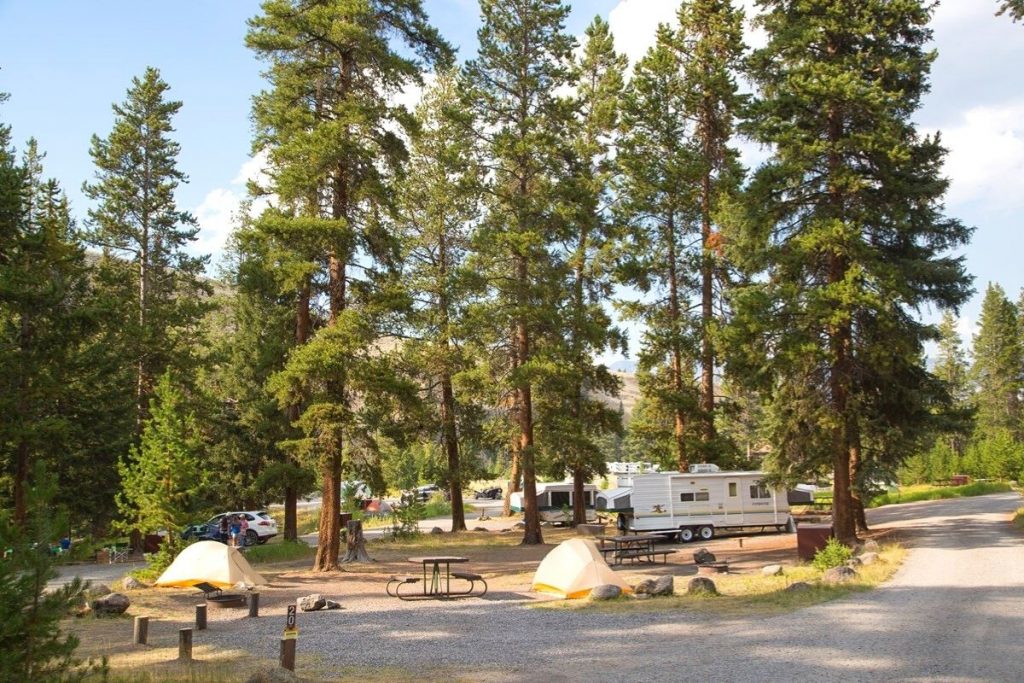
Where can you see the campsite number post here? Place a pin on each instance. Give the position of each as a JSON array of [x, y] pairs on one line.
[[291, 633]]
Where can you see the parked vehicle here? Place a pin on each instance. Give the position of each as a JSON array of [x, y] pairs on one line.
[[696, 504], [553, 498], [492, 493], [262, 528], [424, 493]]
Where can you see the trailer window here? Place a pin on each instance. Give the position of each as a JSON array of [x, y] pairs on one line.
[[559, 499], [703, 496], [685, 497], [760, 491], [732, 489]]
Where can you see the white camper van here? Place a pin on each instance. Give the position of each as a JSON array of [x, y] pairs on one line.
[[693, 504], [553, 498]]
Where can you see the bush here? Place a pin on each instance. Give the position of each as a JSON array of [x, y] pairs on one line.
[[834, 554]]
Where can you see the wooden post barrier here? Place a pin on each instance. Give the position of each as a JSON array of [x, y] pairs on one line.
[[201, 617], [288, 653], [254, 605], [141, 631], [185, 644]]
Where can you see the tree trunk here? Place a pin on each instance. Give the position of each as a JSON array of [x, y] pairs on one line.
[[707, 350], [451, 444], [856, 500], [531, 515], [513, 480], [355, 543], [682, 460], [21, 458], [303, 325], [579, 502], [329, 530]]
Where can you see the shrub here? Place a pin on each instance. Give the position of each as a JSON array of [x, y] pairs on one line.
[[834, 554]]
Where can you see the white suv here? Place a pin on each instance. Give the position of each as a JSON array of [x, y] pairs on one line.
[[262, 526]]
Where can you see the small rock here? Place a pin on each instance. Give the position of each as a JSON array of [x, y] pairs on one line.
[[110, 604], [798, 587], [437, 530], [869, 558], [130, 583], [312, 603], [839, 575], [519, 525], [645, 587], [853, 562], [605, 591], [479, 528], [701, 585], [772, 570], [276, 675], [331, 604], [665, 585], [97, 590], [704, 556], [870, 546]]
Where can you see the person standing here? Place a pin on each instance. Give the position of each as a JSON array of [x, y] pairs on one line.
[[243, 536], [236, 529]]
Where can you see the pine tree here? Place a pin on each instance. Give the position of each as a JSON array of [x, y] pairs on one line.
[[847, 235], [1015, 8], [660, 202], [331, 135], [137, 223], [571, 415], [998, 369], [439, 207], [523, 61], [162, 478]]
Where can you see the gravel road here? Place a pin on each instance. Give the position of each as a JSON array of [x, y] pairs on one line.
[[954, 612]]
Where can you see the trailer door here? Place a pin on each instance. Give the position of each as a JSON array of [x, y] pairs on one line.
[[732, 505]]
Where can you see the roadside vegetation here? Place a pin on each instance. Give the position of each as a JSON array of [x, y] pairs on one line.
[[1018, 519], [919, 492]]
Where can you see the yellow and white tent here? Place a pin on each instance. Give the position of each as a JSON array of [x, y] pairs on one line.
[[210, 562], [573, 569]]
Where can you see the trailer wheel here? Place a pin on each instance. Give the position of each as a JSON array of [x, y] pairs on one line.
[[706, 533], [685, 535]]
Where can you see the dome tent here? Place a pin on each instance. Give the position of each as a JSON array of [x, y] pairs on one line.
[[210, 562], [573, 569]]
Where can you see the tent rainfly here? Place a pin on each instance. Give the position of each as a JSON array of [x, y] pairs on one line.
[[573, 569], [210, 562]]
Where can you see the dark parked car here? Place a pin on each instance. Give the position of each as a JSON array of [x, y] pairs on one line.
[[492, 493]]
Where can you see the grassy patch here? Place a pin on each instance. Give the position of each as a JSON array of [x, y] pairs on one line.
[[286, 551], [913, 494], [754, 594], [1018, 519]]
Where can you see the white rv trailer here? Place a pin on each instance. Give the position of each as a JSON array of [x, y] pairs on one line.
[[692, 505], [553, 498]]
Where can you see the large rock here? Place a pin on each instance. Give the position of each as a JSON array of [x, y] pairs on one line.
[[839, 575], [870, 547], [130, 583], [645, 587], [869, 558], [331, 604], [665, 585], [97, 590], [436, 530], [312, 603], [798, 587], [701, 585], [480, 528], [110, 604], [605, 591], [704, 556], [772, 570]]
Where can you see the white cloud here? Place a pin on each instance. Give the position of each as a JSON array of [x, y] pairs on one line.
[[986, 156], [217, 213]]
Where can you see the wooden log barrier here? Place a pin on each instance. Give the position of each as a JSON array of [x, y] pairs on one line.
[[254, 605], [288, 653], [141, 631], [201, 617], [185, 644]]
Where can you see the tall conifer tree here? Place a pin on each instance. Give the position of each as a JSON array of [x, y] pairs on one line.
[[998, 369], [846, 232], [330, 130], [523, 61]]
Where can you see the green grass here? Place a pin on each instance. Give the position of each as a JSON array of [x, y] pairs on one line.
[[913, 494], [285, 551], [1018, 519]]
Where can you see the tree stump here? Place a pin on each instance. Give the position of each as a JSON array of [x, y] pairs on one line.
[[355, 543]]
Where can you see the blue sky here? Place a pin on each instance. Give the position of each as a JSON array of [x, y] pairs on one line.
[[64, 62]]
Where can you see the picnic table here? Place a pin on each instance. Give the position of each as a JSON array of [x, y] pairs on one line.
[[440, 585], [633, 547]]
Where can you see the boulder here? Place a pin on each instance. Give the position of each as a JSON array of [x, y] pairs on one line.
[[870, 547], [853, 562], [704, 556], [130, 583], [606, 591], [665, 585], [519, 525], [869, 558], [701, 585], [436, 530], [772, 570], [645, 587], [275, 675], [839, 575], [798, 587], [479, 528], [312, 603], [331, 604], [98, 590], [110, 604]]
